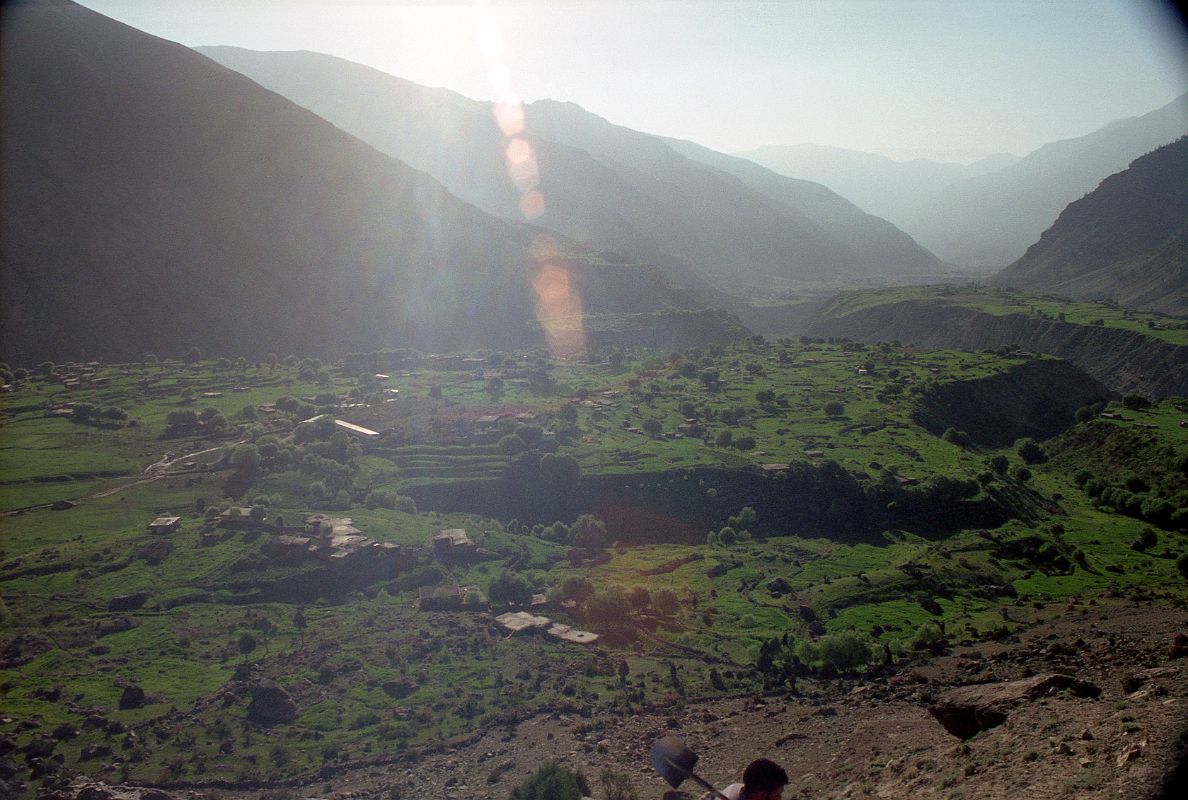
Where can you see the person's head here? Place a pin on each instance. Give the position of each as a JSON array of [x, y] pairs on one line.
[[764, 780]]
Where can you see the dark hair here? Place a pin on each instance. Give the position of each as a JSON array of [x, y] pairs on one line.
[[763, 775]]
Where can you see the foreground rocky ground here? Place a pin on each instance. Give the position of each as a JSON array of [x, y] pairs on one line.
[[1119, 733]]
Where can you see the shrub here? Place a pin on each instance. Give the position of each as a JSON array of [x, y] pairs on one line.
[[929, 636], [959, 438], [846, 651], [552, 782], [1030, 451]]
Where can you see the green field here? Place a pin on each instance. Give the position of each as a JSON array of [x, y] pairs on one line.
[[368, 671]]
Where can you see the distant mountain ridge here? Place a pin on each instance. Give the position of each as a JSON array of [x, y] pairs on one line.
[[154, 200], [1126, 241], [603, 184], [989, 219], [894, 190]]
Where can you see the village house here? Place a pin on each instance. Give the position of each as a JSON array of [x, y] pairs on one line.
[[358, 431], [164, 525], [239, 517], [452, 542], [519, 621]]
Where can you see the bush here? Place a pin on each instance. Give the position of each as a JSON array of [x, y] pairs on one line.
[[1136, 402], [1030, 451], [388, 498], [959, 438], [845, 651], [552, 782], [999, 464], [834, 408], [929, 636]]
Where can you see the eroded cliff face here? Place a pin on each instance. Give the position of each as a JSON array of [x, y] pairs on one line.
[[1122, 360], [1037, 399]]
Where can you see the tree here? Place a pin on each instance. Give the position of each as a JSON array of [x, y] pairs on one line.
[[512, 444], [588, 533], [576, 589], [959, 438], [510, 588], [495, 386], [652, 426], [999, 464], [84, 413], [834, 408], [1182, 565], [247, 643], [724, 439], [562, 472], [745, 443], [1136, 402], [245, 459], [1030, 451], [194, 356]]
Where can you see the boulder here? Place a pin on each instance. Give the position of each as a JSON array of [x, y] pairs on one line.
[[133, 697], [969, 710], [1157, 675], [128, 602], [92, 751], [271, 705]]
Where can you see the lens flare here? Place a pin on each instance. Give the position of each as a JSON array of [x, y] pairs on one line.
[[521, 164], [532, 204], [510, 118], [500, 77], [490, 40], [559, 310], [558, 302]]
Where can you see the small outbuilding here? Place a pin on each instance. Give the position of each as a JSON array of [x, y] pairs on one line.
[[164, 525]]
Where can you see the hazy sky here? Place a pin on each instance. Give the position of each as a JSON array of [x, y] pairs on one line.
[[944, 79]]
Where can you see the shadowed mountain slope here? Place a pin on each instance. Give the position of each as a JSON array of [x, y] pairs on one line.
[[608, 186], [153, 200], [889, 252], [1126, 241]]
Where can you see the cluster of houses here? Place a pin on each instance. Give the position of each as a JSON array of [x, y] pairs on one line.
[[74, 375], [336, 541], [522, 621]]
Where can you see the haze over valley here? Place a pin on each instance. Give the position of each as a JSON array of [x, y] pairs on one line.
[[452, 399]]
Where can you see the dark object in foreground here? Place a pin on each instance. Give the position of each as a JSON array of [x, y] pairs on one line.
[[967, 711], [675, 764]]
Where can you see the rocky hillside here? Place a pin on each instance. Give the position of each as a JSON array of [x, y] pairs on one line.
[[154, 200], [1126, 241], [1116, 732], [1124, 361]]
